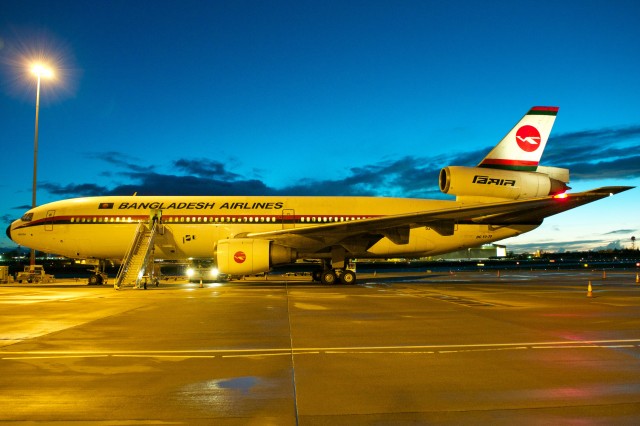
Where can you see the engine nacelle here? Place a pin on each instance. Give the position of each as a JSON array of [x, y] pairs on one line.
[[245, 256], [509, 184]]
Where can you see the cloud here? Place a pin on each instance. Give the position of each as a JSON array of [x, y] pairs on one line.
[[621, 231], [120, 159], [74, 190], [407, 177], [7, 219], [619, 168], [165, 184], [205, 168], [597, 138], [613, 245], [597, 154], [589, 154]]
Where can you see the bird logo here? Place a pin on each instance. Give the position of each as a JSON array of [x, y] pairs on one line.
[[528, 138], [239, 257]]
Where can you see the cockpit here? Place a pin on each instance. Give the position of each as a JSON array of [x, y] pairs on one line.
[[28, 217]]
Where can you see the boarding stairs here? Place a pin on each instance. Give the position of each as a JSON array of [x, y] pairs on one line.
[[134, 265]]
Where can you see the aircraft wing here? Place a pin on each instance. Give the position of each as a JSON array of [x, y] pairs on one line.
[[361, 234], [555, 206]]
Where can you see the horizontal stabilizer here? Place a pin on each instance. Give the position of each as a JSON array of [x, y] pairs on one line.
[[556, 173]]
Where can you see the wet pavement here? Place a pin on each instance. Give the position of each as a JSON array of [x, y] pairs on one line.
[[405, 348]]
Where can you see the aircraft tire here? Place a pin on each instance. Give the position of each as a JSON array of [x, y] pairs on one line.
[[316, 275], [348, 277], [328, 277], [95, 279]]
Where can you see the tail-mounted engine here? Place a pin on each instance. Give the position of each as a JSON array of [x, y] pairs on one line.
[[497, 183], [245, 256]]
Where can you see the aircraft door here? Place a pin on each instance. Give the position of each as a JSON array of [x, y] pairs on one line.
[[288, 219], [48, 222]]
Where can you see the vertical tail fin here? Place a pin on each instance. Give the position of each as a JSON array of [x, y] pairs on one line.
[[522, 147]]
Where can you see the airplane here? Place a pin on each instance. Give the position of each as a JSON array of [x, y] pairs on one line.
[[508, 193]]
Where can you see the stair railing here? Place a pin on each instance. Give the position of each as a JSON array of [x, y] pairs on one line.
[[126, 261], [145, 260]]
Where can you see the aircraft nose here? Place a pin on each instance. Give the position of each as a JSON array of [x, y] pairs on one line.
[[9, 232]]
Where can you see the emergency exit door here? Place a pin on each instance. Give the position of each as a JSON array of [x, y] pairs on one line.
[[288, 219], [48, 222]]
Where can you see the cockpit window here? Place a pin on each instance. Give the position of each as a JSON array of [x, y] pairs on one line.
[[27, 217]]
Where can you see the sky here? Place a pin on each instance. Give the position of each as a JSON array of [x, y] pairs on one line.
[[319, 98]]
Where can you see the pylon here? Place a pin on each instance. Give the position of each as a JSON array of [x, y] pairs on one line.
[[637, 278], [604, 274], [498, 273], [589, 290], [201, 286]]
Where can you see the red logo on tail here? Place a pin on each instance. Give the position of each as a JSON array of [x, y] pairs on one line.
[[528, 138]]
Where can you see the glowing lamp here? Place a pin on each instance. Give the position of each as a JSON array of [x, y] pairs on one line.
[[42, 71]]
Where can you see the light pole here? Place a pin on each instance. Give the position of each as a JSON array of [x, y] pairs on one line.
[[39, 71]]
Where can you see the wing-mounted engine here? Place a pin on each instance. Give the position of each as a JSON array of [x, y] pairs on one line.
[[245, 256], [498, 183]]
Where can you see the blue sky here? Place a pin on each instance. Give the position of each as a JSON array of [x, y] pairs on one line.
[[319, 98]]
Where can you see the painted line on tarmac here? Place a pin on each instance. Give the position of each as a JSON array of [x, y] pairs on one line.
[[52, 356], [262, 352]]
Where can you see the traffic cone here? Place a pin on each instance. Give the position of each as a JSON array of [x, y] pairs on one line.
[[201, 286], [589, 290], [637, 278], [604, 274], [498, 273]]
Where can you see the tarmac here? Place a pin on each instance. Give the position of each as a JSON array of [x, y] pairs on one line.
[[532, 347]]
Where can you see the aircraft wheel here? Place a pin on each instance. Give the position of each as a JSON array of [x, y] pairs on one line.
[[96, 279], [316, 275], [328, 277], [348, 277]]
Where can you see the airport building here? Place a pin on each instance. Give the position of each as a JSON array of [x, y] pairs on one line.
[[486, 251]]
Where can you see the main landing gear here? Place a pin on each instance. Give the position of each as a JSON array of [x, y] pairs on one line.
[[334, 276], [337, 269]]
